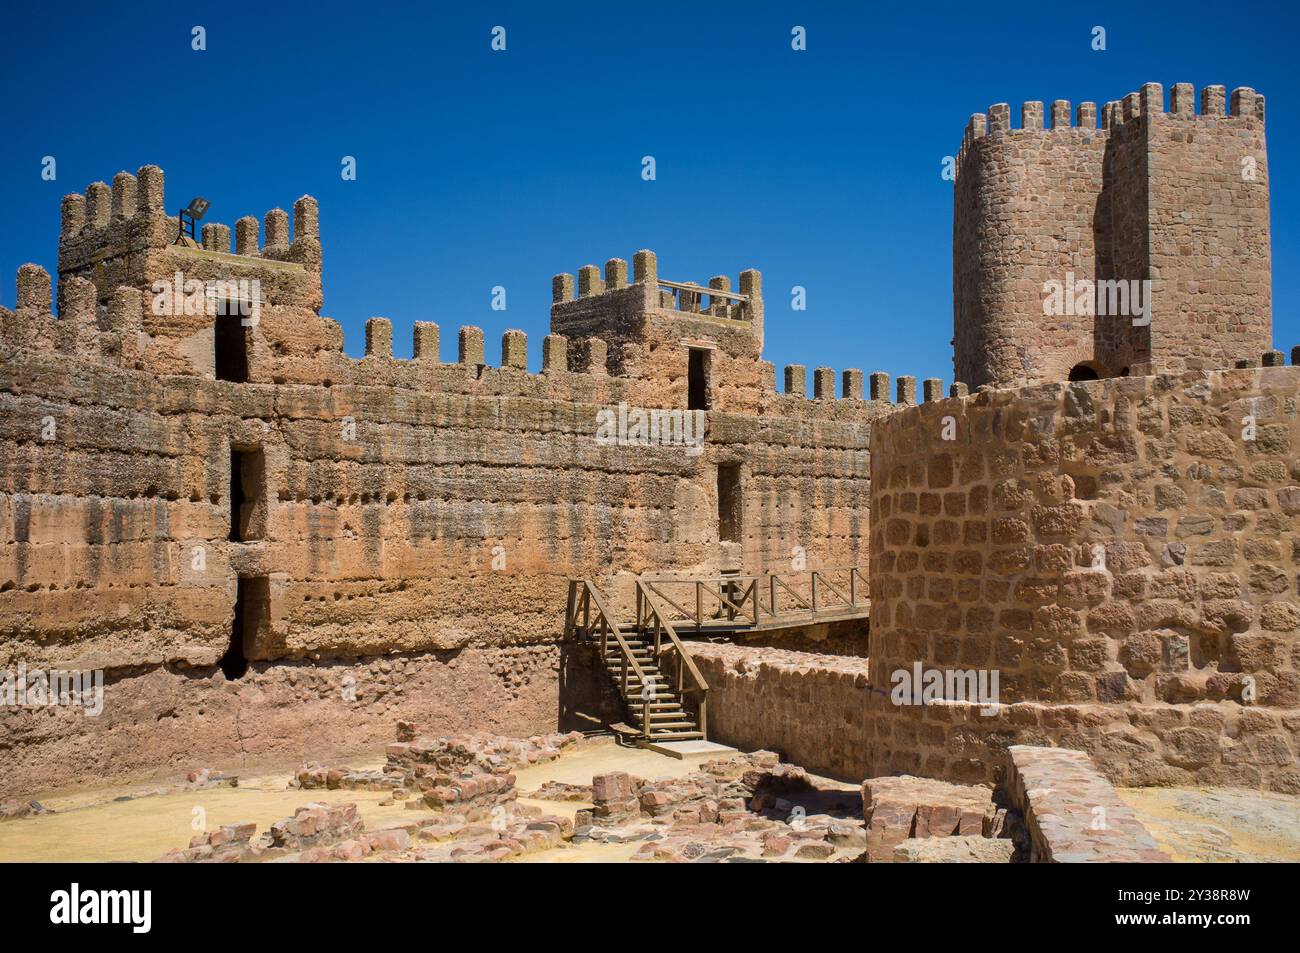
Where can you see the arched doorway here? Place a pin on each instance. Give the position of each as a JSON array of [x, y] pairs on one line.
[[1084, 371]]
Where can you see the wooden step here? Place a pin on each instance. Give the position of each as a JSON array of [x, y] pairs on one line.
[[661, 724], [659, 717], [659, 678]]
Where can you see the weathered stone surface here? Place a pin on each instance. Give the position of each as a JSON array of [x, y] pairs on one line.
[[954, 850], [1073, 814], [898, 808], [1117, 621]]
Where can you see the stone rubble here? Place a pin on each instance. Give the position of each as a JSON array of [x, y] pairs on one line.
[[741, 808], [13, 808], [560, 791], [205, 778]]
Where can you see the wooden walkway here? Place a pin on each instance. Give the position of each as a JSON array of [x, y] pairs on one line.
[[736, 604], [669, 609]]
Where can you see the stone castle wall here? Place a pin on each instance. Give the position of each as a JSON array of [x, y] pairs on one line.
[[1173, 196], [1118, 553], [426, 516], [391, 508]]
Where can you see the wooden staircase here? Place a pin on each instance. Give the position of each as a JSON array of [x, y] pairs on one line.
[[630, 654], [647, 693]]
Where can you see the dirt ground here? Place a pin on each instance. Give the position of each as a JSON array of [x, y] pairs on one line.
[[1225, 825], [128, 823]]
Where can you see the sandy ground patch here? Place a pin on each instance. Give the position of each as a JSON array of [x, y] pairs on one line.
[[1224, 825]]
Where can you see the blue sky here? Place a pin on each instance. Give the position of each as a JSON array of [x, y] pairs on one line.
[[475, 169]]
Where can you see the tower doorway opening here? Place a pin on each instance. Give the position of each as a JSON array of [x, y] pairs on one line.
[[1084, 372], [230, 346]]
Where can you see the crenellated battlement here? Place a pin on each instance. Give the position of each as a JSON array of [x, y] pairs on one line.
[[851, 389], [623, 321], [1244, 104], [125, 335], [121, 235], [683, 297]]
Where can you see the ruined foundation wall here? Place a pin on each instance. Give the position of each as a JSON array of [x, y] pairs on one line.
[[1116, 551], [165, 720]]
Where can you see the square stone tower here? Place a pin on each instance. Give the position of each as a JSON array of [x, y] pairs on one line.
[[691, 346], [121, 239]]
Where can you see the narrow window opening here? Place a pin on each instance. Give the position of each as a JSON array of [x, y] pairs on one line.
[[698, 384], [729, 503], [247, 494], [250, 625], [230, 357]]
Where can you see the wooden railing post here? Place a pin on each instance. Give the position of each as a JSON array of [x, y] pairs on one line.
[[699, 605], [853, 587], [814, 590]]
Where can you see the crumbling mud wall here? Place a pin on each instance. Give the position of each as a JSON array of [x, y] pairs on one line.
[[1124, 554]]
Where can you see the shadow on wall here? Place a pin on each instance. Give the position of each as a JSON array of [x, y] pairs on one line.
[[1120, 241], [587, 698]]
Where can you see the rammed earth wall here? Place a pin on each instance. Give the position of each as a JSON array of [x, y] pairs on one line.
[[392, 508], [1124, 559]]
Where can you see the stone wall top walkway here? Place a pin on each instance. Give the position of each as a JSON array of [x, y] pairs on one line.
[[1073, 813]]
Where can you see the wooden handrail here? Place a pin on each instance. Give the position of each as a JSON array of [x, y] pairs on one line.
[[702, 290], [739, 595], [700, 685], [591, 594]]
